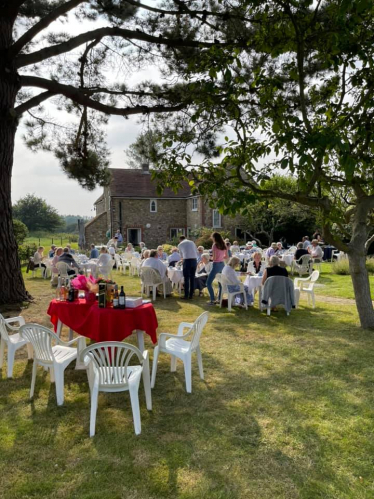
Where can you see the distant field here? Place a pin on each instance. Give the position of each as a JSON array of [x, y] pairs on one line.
[[47, 240]]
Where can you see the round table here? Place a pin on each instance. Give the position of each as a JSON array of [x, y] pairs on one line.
[[254, 282], [104, 324]]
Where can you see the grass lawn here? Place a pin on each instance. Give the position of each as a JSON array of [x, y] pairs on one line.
[[286, 411]]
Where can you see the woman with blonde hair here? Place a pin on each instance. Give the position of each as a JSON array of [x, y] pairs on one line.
[[234, 281], [38, 259]]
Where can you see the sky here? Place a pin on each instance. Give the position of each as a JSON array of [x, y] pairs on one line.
[[40, 173]]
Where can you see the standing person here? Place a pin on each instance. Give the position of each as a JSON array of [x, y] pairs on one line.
[[218, 257], [119, 237], [188, 252]]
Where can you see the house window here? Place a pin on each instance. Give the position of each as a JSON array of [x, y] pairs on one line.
[[239, 233], [194, 204], [174, 233], [153, 206], [216, 217]]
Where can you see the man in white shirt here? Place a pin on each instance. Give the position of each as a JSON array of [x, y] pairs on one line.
[[315, 250], [156, 264], [306, 242], [188, 252]]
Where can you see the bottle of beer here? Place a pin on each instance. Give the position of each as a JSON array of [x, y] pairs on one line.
[[115, 299], [62, 290], [122, 299]]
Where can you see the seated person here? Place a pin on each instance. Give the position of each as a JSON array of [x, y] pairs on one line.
[[51, 253], [71, 251], [174, 257], [235, 247], [55, 259], [202, 271], [94, 252], [315, 250], [161, 255], [271, 250], [144, 256], [306, 242], [112, 250], [257, 266], [200, 252], [279, 250], [301, 251], [234, 281], [105, 258], [154, 262], [129, 248], [67, 258], [274, 269], [38, 259]]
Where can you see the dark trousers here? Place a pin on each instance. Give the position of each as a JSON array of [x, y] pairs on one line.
[[189, 269]]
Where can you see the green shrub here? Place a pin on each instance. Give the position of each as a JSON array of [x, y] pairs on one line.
[[20, 231], [25, 251], [341, 267], [204, 236], [167, 248]]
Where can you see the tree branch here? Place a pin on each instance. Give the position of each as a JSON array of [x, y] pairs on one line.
[[368, 243], [26, 59], [33, 102], [77, 95], [42, 24]]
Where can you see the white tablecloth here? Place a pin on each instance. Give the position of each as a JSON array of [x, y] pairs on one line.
[[288, 259], [175, 275], [253, 282], [89, 266]]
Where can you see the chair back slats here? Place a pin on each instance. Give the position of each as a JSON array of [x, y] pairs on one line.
[[197, 329], [41, 339], [111, 360], [149, 276]]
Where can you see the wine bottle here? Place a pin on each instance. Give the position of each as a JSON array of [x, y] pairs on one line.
[[122, 299], [115, 299], [58, 289], [102, 295]]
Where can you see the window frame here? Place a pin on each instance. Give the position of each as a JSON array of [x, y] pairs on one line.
[[179, 231], [215, 226], [150, 205], [194, 201]]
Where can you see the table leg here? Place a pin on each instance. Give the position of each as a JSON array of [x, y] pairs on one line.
[[140, 335], [59, 327], [81, 345], [71, 334]]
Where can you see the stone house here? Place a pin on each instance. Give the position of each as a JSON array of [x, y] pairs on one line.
[[130, 203]]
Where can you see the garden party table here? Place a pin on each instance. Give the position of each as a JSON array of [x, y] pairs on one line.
[[104, 324]]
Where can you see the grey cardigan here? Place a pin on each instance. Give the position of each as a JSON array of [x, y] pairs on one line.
[[280, 291]]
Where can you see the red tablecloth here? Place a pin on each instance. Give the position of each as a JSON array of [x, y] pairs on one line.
[[103, 324]]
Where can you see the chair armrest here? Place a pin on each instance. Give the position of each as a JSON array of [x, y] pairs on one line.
[[300, 279], [68, 343], [182, 326], [162, 338], [20, 320]]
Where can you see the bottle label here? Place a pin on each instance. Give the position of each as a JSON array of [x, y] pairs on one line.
[[115, 303], [121, 300]]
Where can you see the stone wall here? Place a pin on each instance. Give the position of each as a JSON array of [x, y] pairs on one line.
[[155, 227], [95, 230], [194, 218]]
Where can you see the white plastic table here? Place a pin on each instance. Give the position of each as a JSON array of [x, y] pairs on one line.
[[254, 283]]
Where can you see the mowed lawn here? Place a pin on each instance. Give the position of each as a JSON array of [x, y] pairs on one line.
[[286, 410]]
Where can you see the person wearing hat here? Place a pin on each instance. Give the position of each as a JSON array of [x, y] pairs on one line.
[[271, 250]]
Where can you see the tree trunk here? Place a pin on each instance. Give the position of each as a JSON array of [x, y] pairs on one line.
[[12, 289], [361, 287]]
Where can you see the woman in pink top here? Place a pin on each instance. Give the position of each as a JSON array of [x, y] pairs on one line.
[[219, 255]]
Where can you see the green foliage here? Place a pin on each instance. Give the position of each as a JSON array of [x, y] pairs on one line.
[[204, 236], [20, 231], [341, 267], [36, 214], [167, 248], [25, 251]]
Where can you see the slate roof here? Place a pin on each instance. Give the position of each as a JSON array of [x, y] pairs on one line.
[[130, 183]]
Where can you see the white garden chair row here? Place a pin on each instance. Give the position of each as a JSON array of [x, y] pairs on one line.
[[107, 363]]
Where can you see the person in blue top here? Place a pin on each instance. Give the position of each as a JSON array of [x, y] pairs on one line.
[[94, 252], [119, 237]]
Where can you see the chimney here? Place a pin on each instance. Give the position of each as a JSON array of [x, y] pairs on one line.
[[145, 167]]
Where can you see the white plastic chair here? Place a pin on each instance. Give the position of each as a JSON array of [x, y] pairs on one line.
[[55, 358], [230, 296], [13, 341], [150, 279], [304, 267], [317, 263], [109, 371], [179, 348], [118, 261], [135, 266], [306, 285], [106, 270], [63, 268], [42, 271]]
